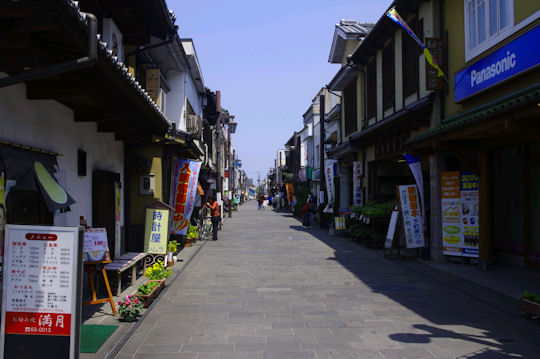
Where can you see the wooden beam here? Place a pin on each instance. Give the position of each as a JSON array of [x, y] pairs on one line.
[[91, 114], [111, 126], [53, 90]]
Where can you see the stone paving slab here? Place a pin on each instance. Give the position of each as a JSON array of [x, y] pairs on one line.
[[270, 289]]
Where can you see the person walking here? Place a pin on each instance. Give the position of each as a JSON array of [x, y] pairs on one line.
[[261, 201], [216, 216], [236, 202]]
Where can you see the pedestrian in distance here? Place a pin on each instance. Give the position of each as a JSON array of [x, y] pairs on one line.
[[216, 216], [305, 216], [261, 202]]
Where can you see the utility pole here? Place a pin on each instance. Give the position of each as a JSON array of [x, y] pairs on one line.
[[229, 196], [322, 174], [219, 181]]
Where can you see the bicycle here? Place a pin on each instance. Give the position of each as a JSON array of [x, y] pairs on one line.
[[204, 223]]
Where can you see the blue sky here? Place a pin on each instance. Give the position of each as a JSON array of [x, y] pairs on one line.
[[269, 59]]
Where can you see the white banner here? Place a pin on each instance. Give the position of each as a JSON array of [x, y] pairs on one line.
[[416, 169], [411, 216], [357, 183], [330, 188]]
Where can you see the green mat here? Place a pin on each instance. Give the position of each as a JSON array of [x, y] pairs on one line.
[[93, 336]]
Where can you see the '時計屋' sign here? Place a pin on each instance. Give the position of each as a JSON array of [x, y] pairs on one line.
[[517, 56], [41, 292]]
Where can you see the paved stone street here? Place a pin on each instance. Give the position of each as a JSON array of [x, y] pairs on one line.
[[270, 289]]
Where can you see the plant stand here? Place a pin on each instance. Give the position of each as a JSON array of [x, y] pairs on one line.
[[530, 307], [147, 299]]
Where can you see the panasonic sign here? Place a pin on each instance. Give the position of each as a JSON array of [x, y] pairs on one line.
[[517, 56]]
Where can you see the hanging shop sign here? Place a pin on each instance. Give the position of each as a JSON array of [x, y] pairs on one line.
[[416, 169], [330, 189], [184, 186], [290, 192], [411, 216], [516, 57], [41, 292], [302, 175], [156, 228], [357, 183], [460, 213]]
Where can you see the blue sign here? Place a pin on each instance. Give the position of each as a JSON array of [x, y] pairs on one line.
[[515, 57]]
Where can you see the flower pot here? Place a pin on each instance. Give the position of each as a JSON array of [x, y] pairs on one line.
[[129, 318], [147, 299], [530, 307]]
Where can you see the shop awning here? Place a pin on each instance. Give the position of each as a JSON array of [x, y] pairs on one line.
[[33, 171], [492, 109]]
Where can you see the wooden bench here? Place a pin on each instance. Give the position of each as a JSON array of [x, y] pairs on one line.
[[124, 262]]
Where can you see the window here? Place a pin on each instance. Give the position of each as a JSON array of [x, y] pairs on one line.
[[388, 75], [371, 89], [409, 55], [486, 23], [350, 108]]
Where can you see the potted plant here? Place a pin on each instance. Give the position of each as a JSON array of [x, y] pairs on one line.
[[172, 246], [129, 308], [530, 303], [148, 291], [192, 235]]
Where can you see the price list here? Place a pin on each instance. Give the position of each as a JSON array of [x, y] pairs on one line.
[[38, 282]]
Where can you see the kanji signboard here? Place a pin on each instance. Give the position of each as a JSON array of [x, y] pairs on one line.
[[183, 193], [40, 291], [156, 230], [411, 216]]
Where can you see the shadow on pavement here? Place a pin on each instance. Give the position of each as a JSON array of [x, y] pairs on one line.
[[436, 302]]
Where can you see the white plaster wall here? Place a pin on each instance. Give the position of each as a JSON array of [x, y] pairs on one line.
[[175, 98], [316, 141], [48, 125]]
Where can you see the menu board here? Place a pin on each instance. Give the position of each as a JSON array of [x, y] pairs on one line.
[[95, 245], [451, 213], [40, 289], [411, 216], [460, 204]]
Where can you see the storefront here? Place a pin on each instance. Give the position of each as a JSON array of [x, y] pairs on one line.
[[499, 142]]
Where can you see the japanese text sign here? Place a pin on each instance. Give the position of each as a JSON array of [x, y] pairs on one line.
[[357, 183], [95, 245], [40, 289], [411, 216], [156, 230], [183, 193]]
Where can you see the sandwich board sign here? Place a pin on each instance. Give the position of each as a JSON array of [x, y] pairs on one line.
[[41, 297]]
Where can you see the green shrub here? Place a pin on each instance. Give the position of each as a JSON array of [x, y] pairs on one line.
[[374, 209], [531, 296], [147, 288]]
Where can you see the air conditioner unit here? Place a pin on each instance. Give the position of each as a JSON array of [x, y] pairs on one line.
[[147, 184]]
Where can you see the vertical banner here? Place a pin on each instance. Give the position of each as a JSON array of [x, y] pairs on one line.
[[117, 219], [41, 298], [184, 185], [411, 216], [302, 175], [357, 183], [330, 189], [470, 213], [451, 213], [416, 169], [290, 192]]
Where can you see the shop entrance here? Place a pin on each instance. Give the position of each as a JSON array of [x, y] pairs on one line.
[[516, 204], [105, 186]]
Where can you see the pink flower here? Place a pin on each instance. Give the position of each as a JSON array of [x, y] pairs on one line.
[[129, 305], [119, 303]]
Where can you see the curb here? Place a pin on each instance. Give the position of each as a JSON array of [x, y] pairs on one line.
[[120, 344]]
